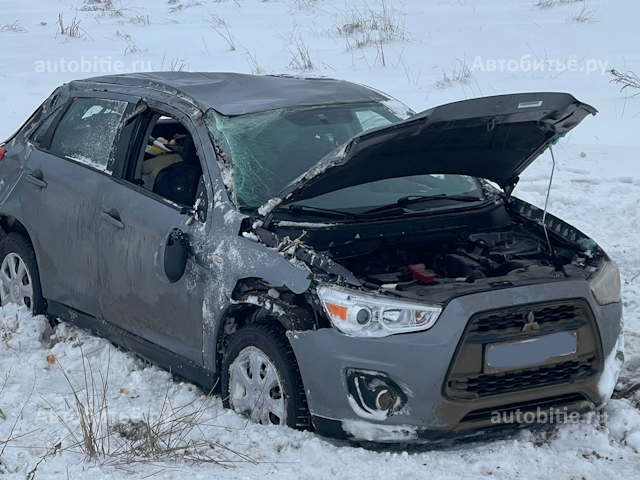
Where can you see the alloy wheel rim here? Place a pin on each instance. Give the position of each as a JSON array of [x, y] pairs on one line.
[[255, 388], [15, 282]]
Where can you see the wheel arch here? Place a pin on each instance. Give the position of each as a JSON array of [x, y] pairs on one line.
[[9, 224], [254, 301]]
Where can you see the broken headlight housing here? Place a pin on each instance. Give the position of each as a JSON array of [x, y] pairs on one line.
[[605, 285], [367, 315]]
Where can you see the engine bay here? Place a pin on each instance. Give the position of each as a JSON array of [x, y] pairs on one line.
[[437, 258], [474, 257], [465, 264]]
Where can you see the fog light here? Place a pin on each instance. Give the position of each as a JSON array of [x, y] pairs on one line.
[[385, 399], [374, 394]]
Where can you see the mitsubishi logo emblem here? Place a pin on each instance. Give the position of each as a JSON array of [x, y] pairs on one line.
[[531, 325]]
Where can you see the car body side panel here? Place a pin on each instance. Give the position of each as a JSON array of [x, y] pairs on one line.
[[420, 361], [135, 299], [62, 220]]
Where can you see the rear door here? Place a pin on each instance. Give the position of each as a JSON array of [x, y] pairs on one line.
[[134, 222], [66, 172]]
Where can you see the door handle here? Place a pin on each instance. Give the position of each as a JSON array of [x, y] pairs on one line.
[[36, 178], [113, 217]]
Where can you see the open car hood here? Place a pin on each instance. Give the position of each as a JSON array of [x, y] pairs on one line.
[[495, 138]]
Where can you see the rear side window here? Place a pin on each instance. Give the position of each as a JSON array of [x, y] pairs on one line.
[[87, 131]]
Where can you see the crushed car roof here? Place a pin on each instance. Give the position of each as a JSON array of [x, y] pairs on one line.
[[236, 94]]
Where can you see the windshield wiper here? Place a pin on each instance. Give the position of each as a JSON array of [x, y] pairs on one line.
[[317, 211], [409, 199]]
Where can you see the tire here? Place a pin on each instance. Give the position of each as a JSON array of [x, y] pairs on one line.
[[15, 246], [268, 340]]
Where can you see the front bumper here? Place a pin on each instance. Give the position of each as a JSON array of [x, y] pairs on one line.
[[420, 363]]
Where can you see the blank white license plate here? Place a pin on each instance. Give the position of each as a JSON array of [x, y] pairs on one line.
[[500, 357]]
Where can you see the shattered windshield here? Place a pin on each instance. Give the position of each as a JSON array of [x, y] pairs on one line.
[[263, 152]]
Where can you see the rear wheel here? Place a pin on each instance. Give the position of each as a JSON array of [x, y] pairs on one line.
[[19, 278], [261, 380]]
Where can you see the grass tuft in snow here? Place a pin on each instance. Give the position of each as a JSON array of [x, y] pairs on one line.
[[175, 65], [252, 60], [553, 3], [585, 15], [300, 57], [72, 30], [176, 6], [105, 8], [95, 427], [131, 46], [90, 430], [14, 27], [625, 80], [362, 26], [222, 28], [545, 3], [140, 20], [461, 73]]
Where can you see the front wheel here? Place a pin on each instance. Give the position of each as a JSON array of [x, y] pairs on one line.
[[261, 380], [19, 278]]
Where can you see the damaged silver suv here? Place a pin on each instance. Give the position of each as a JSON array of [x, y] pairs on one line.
[[327, 257]]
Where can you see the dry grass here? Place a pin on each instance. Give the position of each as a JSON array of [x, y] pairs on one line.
[[625, 80], [252, 60], [461, 73], [545, 3], [300, 57], [105, 8], [176, 6], [364, 26], [307, 5], [90, 428], [131, 46], [140, 20], [552, 3], [72, 30], [175, 65], [585, 15], [222, 28], [14, 27], [178, 65]]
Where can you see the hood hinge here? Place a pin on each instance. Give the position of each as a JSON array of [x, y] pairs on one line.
[[508, 189]]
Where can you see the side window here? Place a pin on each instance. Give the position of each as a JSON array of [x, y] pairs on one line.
[[369, 119], [42, 130], [87, 131], [168, 165]]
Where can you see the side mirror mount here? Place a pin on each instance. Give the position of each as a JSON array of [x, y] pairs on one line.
[[202, 205], [171, 259]]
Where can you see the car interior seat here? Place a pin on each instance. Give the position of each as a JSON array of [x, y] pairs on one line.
[[179, 182]]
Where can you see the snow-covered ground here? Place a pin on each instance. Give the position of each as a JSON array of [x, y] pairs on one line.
[[596, 188]]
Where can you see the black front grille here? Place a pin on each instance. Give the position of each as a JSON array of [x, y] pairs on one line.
[[484, 385], [571, 315], [468, 378]]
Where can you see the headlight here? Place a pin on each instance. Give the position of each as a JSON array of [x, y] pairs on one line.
[[605, 285], [364, 315]]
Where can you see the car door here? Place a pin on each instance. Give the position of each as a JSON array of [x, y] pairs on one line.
[[135, 221], [68, 167]]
